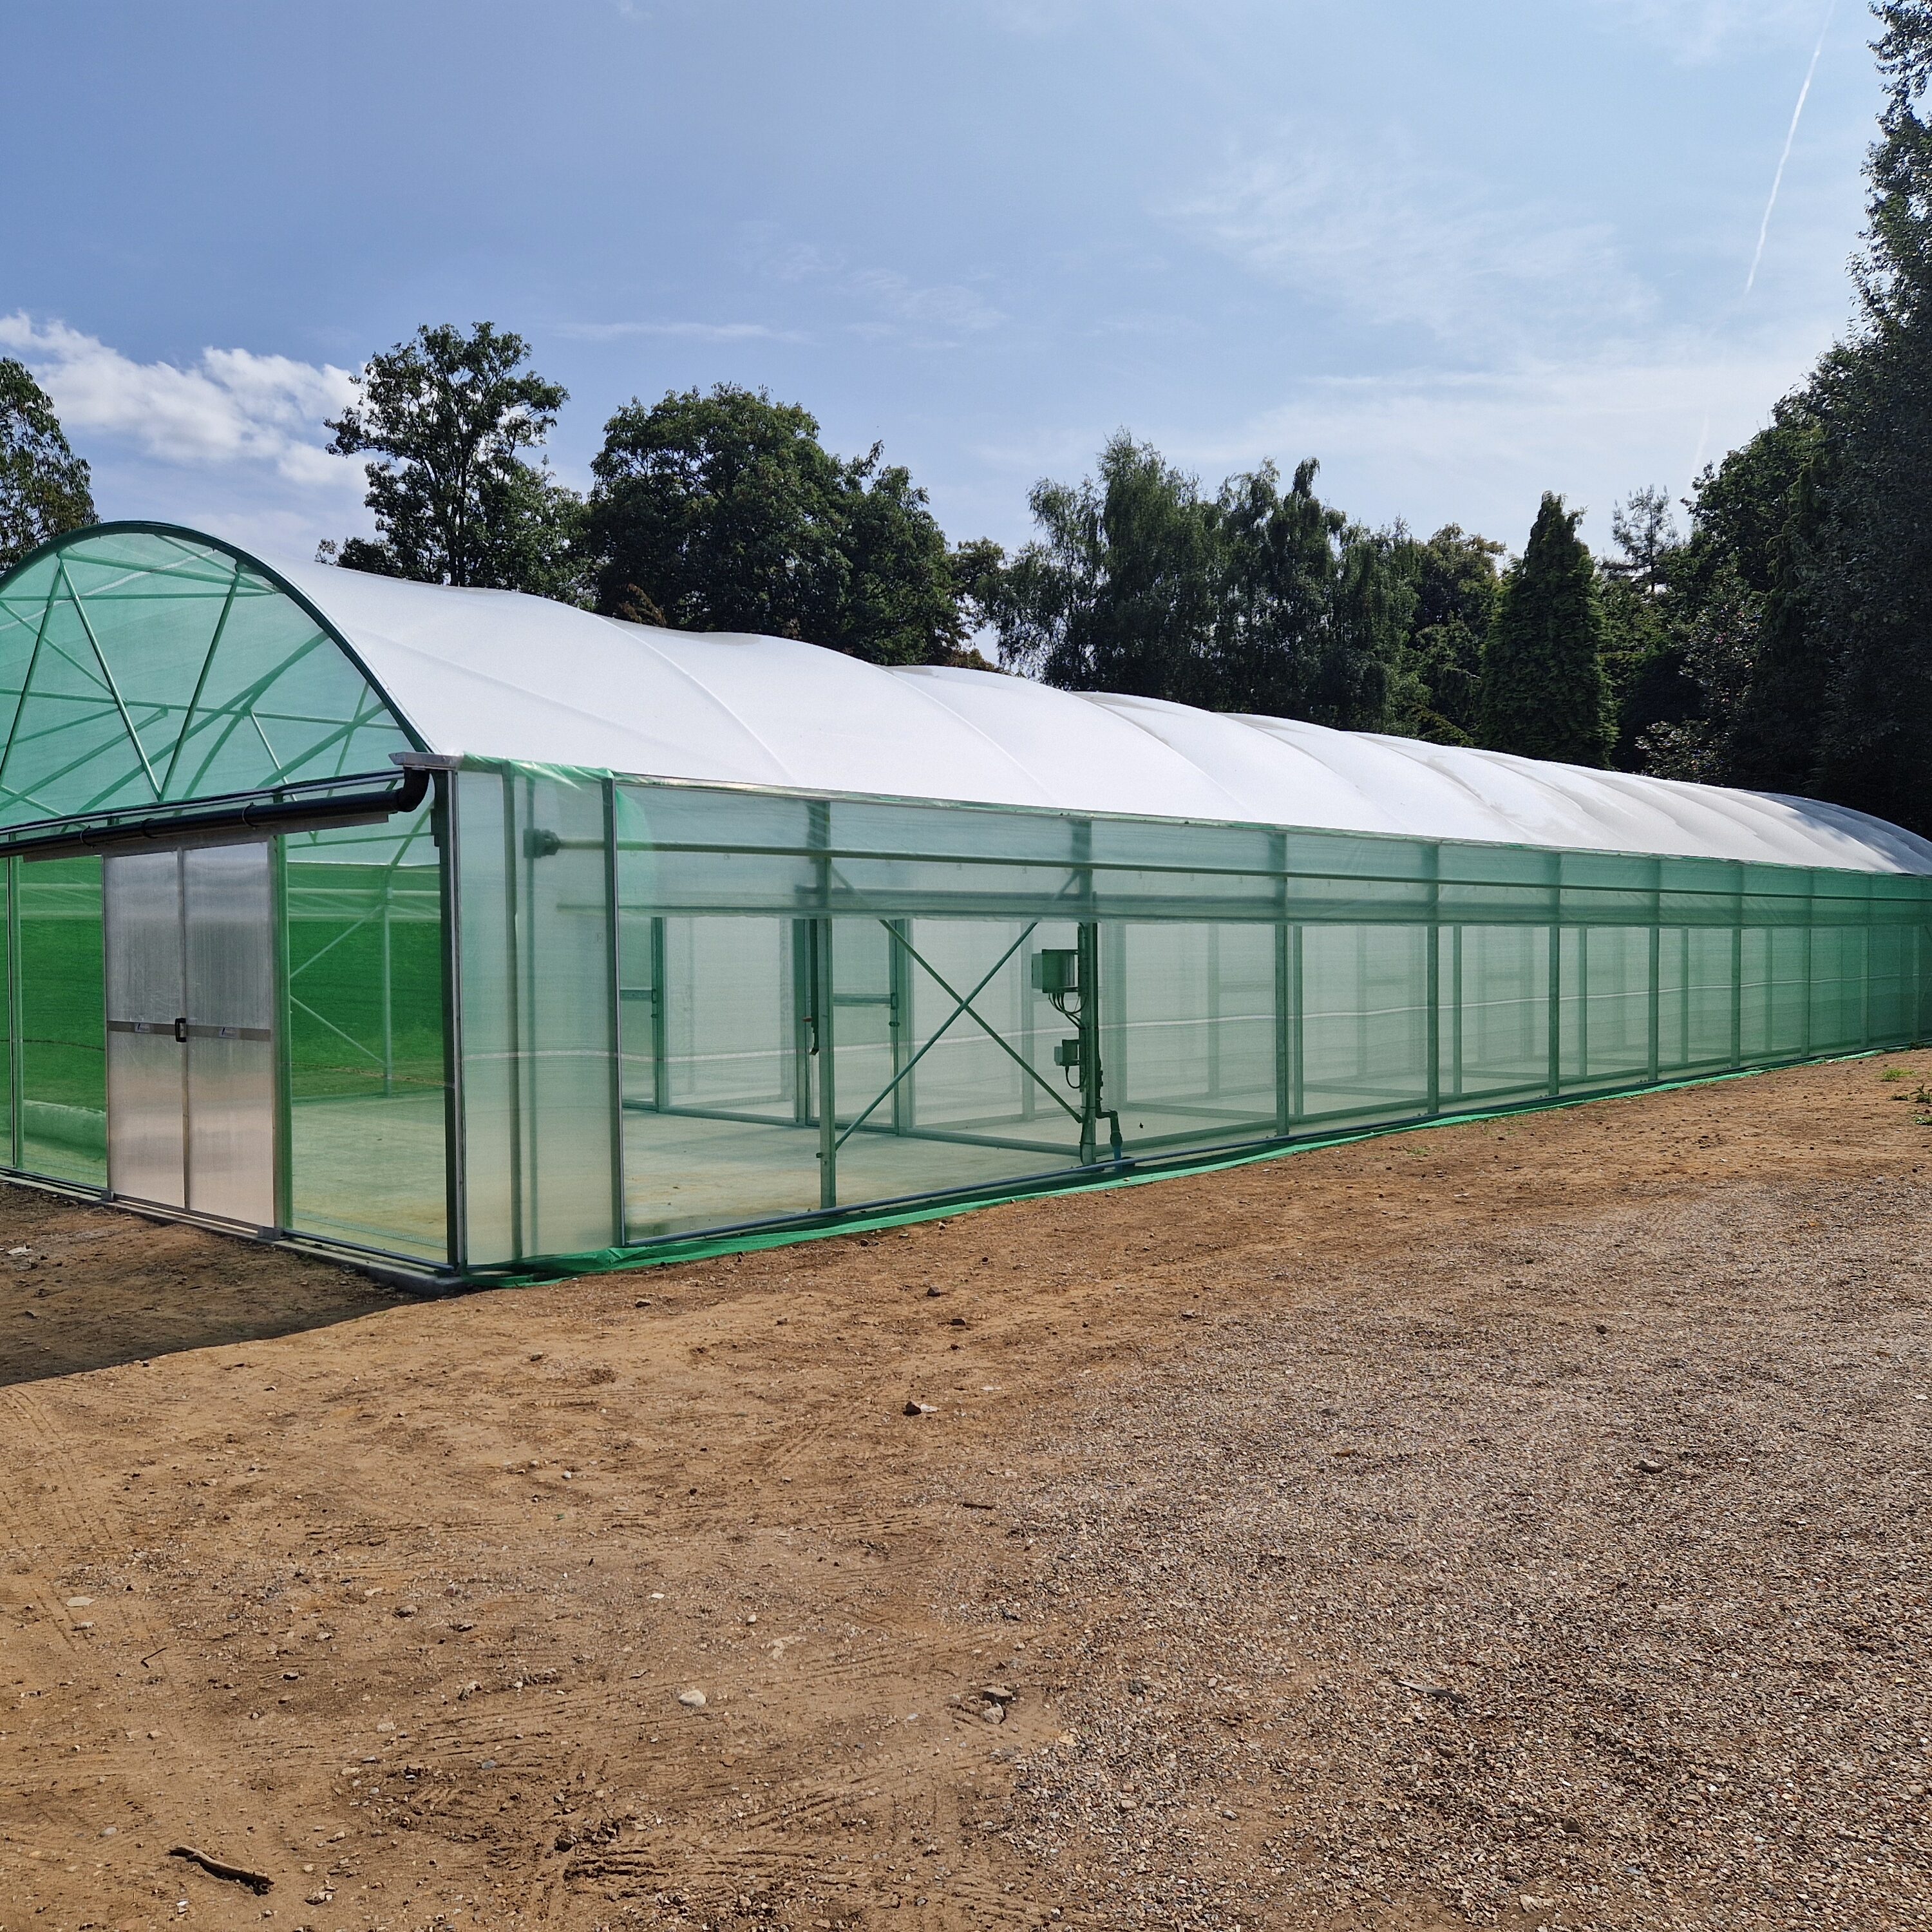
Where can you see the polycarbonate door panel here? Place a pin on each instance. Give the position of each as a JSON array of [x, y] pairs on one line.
[[228, 917], [141, 918]]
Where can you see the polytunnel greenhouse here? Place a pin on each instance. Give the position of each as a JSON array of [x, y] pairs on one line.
[[461, 932]]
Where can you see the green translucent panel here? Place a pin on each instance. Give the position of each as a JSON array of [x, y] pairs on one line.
[[8, 1154], [62, 1044], [1188, 1037], [538, 1023], [136, 666], [367, 1160], [1252, 984], [67, 737], [1495, 982]]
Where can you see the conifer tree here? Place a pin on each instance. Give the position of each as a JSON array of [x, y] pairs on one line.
[[1543, 662]]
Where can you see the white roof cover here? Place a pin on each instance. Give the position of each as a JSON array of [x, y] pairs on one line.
[[496, 674]]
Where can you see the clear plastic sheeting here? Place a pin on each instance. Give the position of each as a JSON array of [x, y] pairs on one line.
[[792, 1006], [363, 1022]]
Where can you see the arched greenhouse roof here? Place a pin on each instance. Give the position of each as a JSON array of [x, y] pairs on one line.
[[142, 664]]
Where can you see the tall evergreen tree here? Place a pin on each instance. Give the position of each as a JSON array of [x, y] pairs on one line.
[[1543, 663], [45, 489], [1644, 679]]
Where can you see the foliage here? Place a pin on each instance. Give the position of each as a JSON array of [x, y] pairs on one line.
[[1454, 583], [1801, 603], [1260, 599], [1118, 592], [447, 415], [1542, 695], [45, 489], [723, 511]]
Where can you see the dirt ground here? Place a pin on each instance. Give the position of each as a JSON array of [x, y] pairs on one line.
[[1519, 1523]]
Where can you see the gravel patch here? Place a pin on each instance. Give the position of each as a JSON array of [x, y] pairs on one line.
[[1575, 1577]]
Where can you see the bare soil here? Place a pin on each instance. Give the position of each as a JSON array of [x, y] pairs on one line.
[[1519, 1522]]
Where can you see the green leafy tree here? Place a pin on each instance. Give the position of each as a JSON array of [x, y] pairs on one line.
[[722, 511], [1261, 599], [1856, 560], [1543, 662], [1312, 608], [448, 416], [1644, 674], [1646, 533], [44, 488], [1454, 585], [1118, 592]]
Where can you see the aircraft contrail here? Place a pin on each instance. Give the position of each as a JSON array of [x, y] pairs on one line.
[[1790, 136]]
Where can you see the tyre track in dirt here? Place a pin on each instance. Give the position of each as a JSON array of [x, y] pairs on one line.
[[481, 1545]]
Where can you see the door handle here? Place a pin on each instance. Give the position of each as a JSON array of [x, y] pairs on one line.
[[181, 1029]]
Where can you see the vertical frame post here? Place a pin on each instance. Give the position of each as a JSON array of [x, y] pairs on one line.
[[826, 1047], [614, 989], [1555, 975], [898, 985], [1284, 1071], [444, 834], [660, 1017], [1653, 1013], [15, 1009], [1810, 915], [1433, 979], [513, 1028], [1738, 967], [1297, 1036], [1089, 1025], [282, 1051], [824, 1003]]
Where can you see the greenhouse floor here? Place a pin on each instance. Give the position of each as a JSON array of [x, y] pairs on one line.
[[1519, 1521]]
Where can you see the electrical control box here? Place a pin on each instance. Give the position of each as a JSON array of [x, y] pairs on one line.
[[1056, 971], [1067, 1053]]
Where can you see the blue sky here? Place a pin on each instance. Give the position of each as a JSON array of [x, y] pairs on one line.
[[1462, 253]]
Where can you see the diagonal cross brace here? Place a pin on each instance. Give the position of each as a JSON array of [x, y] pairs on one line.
[[962, 1004]]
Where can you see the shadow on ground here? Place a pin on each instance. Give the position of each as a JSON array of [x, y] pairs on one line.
[[84, 1287]]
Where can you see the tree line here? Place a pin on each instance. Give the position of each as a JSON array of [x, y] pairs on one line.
[[1782, 640]]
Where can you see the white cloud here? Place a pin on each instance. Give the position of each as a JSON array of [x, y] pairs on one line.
[[1705, 30], [232, 406], [898, 302], [942, 305], [1372, 229], [694, 331]]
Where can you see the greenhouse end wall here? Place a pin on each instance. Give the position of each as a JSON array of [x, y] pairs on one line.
[[681, 1008], [361, 1085]]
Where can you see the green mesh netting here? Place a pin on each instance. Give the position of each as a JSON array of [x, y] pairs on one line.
[[138, 667]]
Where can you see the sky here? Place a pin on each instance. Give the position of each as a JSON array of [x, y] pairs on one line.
[[1460, 254]]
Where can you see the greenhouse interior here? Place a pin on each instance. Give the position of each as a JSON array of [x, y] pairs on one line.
[[460, 933]]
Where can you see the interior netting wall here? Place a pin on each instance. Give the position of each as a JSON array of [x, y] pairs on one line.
[[363, 1082], [684, 1008]]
